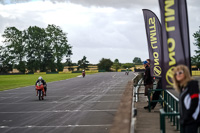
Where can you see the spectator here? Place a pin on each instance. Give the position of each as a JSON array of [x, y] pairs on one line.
[[188, 99], [148, 80], [148, 60]]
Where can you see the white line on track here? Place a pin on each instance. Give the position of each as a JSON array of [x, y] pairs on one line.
[[117, 101], [22, 99], [66, 96], [17, 88], [57, 111], [32, 126]]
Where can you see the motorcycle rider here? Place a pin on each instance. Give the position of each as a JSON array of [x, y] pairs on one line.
[[83, 73], [127, 71], [40, 80]]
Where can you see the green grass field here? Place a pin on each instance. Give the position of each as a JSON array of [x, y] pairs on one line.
[[16, 81]]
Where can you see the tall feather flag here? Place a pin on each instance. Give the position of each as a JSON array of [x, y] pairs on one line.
[[154, 39], [175, 34]]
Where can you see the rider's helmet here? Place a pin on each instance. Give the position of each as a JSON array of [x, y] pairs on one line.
[[126, 68], [40, 78], [83, 70]]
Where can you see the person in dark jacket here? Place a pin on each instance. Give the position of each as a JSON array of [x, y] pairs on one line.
[[148, 80], [188, 99]]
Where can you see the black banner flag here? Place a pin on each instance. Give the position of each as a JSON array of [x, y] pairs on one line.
[[185, 31], [175, 43], [154, 39]]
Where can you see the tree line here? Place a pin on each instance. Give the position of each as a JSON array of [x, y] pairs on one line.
[[43, 49], [107, 64], [195, 60], [34, 49], [104, 64]]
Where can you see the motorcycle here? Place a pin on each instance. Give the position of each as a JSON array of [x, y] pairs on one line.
[[127, 72], [83, 74], [41, 92]]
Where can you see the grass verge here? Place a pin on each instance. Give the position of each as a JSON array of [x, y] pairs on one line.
[[15, 81]]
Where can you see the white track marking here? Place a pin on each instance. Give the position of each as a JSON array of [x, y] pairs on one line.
[[56, 111], [32, 126], [116, 101]]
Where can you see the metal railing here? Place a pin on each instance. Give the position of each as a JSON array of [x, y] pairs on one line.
[[136, 89], [163, 114], [161, 100], [170, 110], [170, 105], [134, 110]]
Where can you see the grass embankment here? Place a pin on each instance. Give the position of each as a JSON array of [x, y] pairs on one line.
[[15, 81]]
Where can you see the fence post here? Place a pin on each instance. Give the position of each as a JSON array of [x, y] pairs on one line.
[[173, 111], [149, 100], [165, 99], [177, 120], [162, 121]]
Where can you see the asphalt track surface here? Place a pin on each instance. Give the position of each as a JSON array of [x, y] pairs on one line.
[[78, 105]]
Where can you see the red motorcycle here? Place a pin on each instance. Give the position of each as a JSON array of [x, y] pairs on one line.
[[40, 91], [83, 74]]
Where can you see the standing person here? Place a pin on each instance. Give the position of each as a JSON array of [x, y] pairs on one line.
[[148, 80], [148, 60], [188, 99]]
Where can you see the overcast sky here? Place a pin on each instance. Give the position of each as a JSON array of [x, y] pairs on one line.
[[96, 28]]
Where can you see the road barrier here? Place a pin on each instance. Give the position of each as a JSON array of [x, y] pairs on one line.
[[161, 100], [170, 110], [163, 114], [52, 72], [137, 93], [195, 73], [167, 100], [137, 80], [126, 70], [136, 90], [139, 70]]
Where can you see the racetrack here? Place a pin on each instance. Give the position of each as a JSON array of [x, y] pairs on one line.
[[78, 105]]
